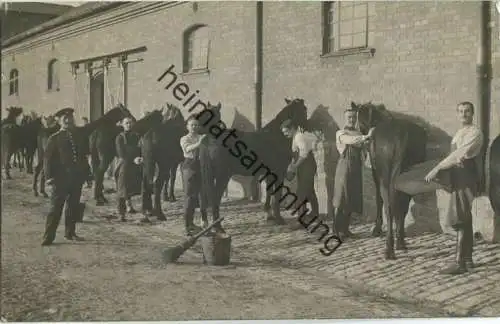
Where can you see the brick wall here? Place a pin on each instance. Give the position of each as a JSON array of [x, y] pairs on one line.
[[424, 62]]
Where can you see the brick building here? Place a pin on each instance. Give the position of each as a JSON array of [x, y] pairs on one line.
[[417, 58]]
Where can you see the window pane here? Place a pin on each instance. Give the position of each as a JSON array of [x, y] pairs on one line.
[[346, 13], [346, 27], [359, 40], [359, 25], [360, 11], [345, 42]]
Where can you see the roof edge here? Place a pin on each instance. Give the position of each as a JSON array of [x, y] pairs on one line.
[[72, 15]]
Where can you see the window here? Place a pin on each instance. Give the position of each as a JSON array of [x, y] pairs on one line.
[[196, 46], [14, 82], [53, 75], [345, 25]]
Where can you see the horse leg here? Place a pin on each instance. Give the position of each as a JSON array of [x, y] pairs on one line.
[[377, 229], [6, 164], [387, 198], [99, 180], [403, 202], [267, 203], [165, 191], [275, 216], [173, 177], [221, 184], [36, 174], [146, 192], [158, 186]]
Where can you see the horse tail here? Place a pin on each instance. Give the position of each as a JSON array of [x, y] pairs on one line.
[[494, 181]]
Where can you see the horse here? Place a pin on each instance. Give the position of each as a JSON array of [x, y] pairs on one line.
[[102, 151], [30, 130], [11, 137], [49, 127], [494, 182], [268, 146], [161, 150], [397, 145]]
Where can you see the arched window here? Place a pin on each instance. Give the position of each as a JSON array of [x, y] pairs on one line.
[[196, 46], [53, 75], [14, 82]]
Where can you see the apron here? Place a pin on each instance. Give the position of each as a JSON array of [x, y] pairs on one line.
[[349, 181], [465, 187]]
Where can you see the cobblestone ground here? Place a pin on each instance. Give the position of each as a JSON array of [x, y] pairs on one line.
[[275, 273]]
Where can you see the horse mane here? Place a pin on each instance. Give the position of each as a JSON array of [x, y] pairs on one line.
[[147, 122]]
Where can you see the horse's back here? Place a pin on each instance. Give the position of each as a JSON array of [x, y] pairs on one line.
[[398, 142], [494, 162]]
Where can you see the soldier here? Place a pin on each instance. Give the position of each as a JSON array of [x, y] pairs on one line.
[[65, 166]]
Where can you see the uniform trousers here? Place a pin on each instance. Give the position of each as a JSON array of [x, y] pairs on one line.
[[63, 192]]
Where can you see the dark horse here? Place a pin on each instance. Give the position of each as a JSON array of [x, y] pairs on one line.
[[30, 128], [162, 154], [42, 138], [247, 154], [494, 190], [11, 137], [102, 151], [397, 145]]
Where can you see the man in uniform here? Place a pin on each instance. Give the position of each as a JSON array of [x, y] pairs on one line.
[[65, 166]]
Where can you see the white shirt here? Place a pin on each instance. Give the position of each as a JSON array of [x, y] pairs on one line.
[[186, 141], [468, 142], [346, 137], [304, 143]]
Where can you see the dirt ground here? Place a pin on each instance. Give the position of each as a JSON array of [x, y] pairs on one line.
[[117, 274]]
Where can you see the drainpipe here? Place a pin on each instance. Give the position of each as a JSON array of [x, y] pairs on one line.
[[484, 72], [258, 84]]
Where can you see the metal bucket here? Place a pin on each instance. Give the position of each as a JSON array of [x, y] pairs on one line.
[[216, 249]]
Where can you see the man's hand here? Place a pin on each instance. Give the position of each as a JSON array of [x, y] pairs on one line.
[[138, 160], [50, 182], [432, 174], [370, 132]]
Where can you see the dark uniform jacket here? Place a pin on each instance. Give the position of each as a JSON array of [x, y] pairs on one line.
[[64, 162]]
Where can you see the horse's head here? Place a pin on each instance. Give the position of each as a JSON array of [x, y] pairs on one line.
[[295, 110], [117, 113], [172, 112], [369, 115]]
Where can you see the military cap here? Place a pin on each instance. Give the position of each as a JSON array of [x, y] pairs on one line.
[[64, 112]]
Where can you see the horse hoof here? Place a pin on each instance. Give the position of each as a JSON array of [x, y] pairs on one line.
[[376, 232], [390, 255], [44, 195], [100, 203], [35, 193], [173, 199], [279, 221], [401, 247]]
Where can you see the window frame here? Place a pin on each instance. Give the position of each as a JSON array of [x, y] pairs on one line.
[[14, 82], [53, 78], [333, 34], [188, 57]]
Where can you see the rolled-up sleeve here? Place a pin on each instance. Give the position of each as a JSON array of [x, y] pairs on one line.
[[469, 148]]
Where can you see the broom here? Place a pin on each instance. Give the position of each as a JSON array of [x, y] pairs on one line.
[[172, 254]]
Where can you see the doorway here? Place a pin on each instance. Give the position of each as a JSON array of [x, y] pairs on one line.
[[96, 95]]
